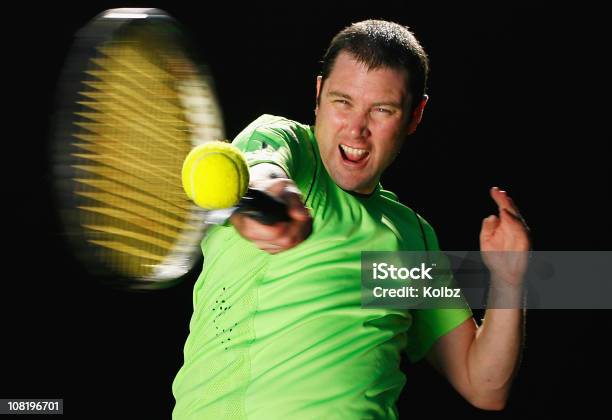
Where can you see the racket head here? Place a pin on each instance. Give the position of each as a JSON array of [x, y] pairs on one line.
[[133, 100]]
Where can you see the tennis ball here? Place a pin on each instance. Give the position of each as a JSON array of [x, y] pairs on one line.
[[215, 175]]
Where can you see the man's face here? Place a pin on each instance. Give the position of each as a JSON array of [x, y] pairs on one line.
[[361, 121]]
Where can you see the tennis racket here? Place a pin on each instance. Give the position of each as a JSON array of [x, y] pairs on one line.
[[133, 101]]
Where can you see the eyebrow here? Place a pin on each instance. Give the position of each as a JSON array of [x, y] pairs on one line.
[[340, 94], [347, 96]]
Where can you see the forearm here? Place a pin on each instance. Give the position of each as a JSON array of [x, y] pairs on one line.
[[494, 355]]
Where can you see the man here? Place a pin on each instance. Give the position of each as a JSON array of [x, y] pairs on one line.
[[278, 330]]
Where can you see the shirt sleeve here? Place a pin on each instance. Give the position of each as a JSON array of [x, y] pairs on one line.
[[282, 142], [428, 325]]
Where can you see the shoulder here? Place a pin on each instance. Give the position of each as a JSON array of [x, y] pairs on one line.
[[272, 127], [283, 142], [409, 219]]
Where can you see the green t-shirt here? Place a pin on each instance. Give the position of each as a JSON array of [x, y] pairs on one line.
[[284, 336]]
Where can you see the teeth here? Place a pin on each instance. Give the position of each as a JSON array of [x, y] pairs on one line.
[[352, 152]]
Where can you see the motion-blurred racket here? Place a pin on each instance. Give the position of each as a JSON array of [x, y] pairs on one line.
[[133, 102]]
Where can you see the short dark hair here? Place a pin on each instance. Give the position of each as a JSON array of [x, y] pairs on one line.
[[380, 44]]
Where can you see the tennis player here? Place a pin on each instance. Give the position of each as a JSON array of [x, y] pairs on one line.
[[277, 330]]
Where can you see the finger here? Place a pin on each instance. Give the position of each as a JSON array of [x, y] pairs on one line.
[[287, 191], [518, 218], [504, 201], [490, 221], [298, 232], [500, 197], [514, 218], [279, 186], [256, 231], [269, 247], [296, 208], [515, 209], [489, 226]]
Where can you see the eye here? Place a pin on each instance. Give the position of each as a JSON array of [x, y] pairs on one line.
[[383, 110], [341, 102]]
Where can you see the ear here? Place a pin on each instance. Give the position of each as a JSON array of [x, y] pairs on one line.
[[417, 115], [319, 79]]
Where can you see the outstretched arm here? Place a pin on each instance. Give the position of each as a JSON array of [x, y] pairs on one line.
[[480, 362]]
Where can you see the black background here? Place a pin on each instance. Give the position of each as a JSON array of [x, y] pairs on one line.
[[518, 99]]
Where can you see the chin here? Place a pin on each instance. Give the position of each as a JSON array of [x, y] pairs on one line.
[[353, 186]]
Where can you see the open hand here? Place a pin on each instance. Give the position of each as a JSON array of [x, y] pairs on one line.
[[504, 240]]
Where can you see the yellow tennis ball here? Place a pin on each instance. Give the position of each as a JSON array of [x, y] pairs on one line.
[[215, 175]]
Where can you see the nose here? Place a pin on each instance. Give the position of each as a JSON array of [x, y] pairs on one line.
[[358, 126]]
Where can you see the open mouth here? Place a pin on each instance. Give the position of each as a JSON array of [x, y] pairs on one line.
[[352, 155]]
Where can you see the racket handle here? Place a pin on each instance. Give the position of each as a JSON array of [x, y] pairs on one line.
[[263, 207]]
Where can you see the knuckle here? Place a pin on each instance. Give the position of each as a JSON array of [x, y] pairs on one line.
[[285, 242], [281, 229]]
